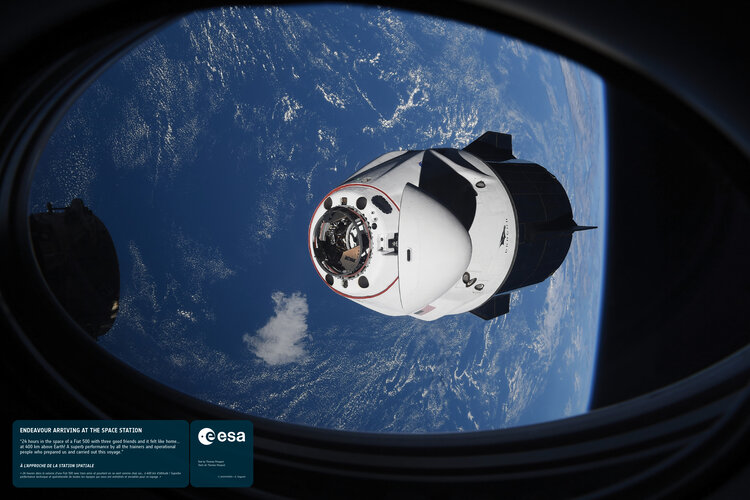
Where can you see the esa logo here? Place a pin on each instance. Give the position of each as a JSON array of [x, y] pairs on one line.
[[207, 436]]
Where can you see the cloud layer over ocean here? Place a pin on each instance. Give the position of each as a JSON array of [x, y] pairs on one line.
[[282, 339]]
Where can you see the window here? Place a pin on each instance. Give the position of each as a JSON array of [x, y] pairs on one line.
[[205, 149]]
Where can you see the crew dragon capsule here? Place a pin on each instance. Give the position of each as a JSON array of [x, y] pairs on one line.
[[442, 231]]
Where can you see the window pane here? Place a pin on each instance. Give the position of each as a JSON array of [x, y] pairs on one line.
[[206, 150]]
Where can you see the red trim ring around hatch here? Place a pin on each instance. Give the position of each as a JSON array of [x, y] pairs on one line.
[[309, 240]]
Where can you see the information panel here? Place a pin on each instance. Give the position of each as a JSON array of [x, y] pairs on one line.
[[100, 453], [221, 453]]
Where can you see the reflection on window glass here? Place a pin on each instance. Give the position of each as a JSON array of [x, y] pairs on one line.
[[206, 150]]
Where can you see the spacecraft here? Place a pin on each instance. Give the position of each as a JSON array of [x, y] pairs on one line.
[[442, 231], [78, 260]]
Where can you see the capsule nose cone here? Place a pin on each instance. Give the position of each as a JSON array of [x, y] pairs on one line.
[[434, 249]]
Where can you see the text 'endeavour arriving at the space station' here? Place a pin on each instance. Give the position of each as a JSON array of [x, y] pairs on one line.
[[132, 453]]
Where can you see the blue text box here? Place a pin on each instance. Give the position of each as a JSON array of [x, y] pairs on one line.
[[221, 453], [100, 453]]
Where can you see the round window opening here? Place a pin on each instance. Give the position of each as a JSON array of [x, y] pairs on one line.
[[207, 150]]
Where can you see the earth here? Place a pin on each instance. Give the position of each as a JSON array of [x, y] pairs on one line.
[[205, 150]]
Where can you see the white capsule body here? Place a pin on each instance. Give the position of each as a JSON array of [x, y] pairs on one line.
[[395, 239]]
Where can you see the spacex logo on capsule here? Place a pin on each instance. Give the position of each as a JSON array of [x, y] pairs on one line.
[[207, 436]]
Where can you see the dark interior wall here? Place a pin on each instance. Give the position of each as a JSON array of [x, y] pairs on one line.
[[678, 281]]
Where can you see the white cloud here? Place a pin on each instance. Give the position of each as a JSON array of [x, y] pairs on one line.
[[522, 388], [331, 97], [282, 339]]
